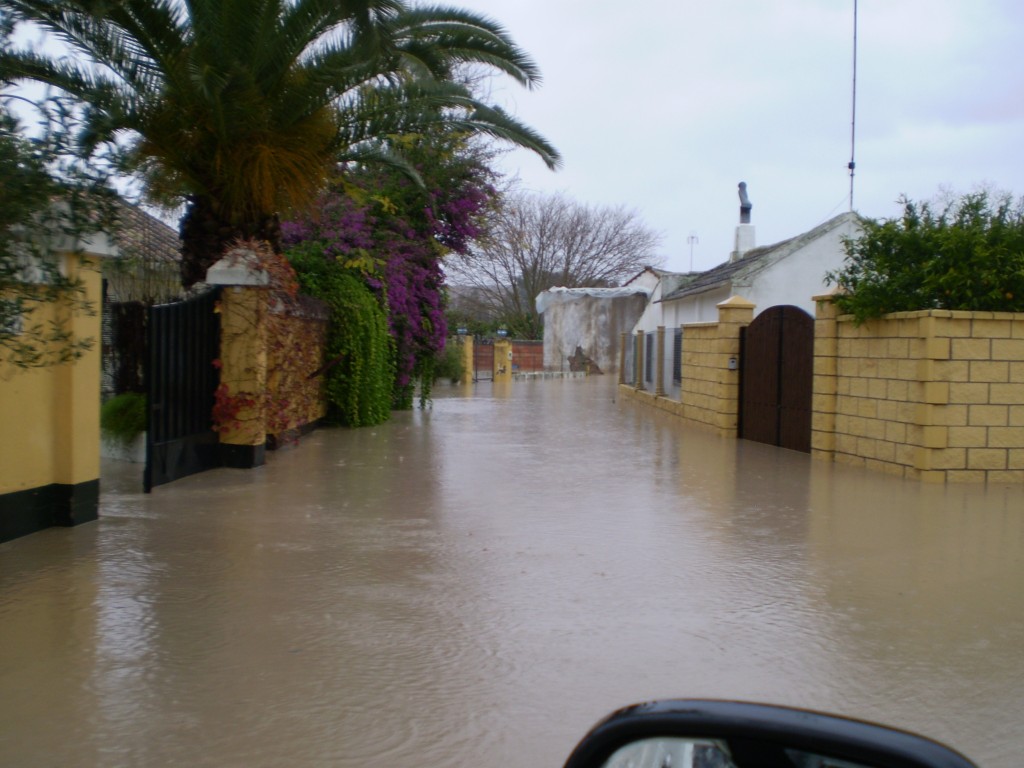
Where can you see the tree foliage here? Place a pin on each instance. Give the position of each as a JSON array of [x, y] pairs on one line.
[[535, 242], [243, 108], [50, 202], [396, 232], [967, 255]]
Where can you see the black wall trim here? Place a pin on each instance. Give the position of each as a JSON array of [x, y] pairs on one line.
[[25, 512], [243, 456]]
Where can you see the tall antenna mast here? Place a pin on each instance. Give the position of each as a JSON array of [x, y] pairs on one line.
[[853, 117]]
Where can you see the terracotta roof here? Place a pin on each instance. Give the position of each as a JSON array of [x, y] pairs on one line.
[[142, 235]]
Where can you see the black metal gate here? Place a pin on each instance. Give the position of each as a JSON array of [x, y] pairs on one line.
[[776, 379], [184, 341]]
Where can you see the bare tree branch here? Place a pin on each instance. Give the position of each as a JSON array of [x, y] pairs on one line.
[[536, 242]]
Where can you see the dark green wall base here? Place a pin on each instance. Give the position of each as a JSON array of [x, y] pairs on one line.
[[243, 456], [25, 512]]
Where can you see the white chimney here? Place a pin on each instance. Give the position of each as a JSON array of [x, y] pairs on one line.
[[744, 230]]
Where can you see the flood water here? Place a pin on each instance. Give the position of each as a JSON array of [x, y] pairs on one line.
[[476, 584]]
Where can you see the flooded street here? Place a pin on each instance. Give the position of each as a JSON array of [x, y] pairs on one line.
[[476, 584]]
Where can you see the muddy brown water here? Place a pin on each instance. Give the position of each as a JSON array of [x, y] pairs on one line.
[[476, 584]]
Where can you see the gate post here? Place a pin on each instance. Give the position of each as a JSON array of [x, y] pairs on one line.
[[502, 360], [733, 314], [241, 401], [823, 393], [465, 343]]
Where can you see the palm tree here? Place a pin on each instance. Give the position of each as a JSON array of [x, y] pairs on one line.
[[243, 108]]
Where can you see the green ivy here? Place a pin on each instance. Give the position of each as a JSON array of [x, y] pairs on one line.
[[359, 367]]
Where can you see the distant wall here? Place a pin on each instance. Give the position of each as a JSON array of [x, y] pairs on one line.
[[592, 323]]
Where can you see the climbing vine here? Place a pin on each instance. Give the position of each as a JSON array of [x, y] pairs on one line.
[[293, 331], [359, 356]]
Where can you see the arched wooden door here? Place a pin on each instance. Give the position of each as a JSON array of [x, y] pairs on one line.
[[776, 377]]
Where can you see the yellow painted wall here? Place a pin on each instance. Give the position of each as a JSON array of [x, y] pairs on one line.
[[50, 416]]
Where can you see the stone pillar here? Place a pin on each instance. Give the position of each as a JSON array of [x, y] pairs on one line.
[[733, 314], [623, 341], [502, 360], [466, 347], [638, 362], [243, 355], [659, 368], [825, 388]]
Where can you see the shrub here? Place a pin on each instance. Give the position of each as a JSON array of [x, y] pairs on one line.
[[123, 417], [449, 363], [969, 256]]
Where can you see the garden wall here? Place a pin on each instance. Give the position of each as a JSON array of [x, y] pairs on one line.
[[50, 455], [935, 395]]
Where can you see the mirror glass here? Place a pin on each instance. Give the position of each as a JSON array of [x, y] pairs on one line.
[[670, 752]]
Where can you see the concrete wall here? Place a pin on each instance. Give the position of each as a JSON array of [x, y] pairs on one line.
[[592, 323], [934, 395], [50, 455]]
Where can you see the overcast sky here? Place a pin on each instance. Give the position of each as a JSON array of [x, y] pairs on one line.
[[665, 106]]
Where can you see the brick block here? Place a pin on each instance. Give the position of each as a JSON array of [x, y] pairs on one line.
[[991, 328], [825, 366], [875, 429], [968, 437], [1006, 437], [878, 389], [1017, 372], [988, 370], [1016, 416], [950, 458], [967, 476], [1006, 394], [867, 448], [898, 348], [889, 410], [937, 349], [1006, 476], [971, 349], [934, 437], [988, 415], [824, 385], [859, 387], [969, 394], [895, 432], [905, 454], [986, 458], [898, 390], [1008, 349], [1015, 458], [936, 392]]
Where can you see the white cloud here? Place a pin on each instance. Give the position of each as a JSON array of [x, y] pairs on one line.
[[665, 106]]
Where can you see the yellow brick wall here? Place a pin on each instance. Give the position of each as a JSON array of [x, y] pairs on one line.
[[709, 392], [934, 395]]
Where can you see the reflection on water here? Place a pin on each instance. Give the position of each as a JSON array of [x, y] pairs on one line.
[[477, 583]]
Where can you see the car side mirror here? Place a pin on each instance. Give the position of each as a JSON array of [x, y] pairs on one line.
[[730, 734]]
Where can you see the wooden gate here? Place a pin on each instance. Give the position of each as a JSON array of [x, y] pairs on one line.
[[776, 378], [184, 340]]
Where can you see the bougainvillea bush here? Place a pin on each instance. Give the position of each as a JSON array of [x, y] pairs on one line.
[[393, 232]]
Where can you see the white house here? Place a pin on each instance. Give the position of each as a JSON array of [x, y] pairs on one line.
[[791, 272]]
